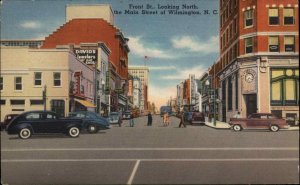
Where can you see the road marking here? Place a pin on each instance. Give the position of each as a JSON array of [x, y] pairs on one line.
[[150, 160], [139, 149], [133, 172]]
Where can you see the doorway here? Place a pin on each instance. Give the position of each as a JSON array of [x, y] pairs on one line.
[[251, 104]]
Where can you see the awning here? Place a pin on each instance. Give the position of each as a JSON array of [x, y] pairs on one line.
[[85, 103]]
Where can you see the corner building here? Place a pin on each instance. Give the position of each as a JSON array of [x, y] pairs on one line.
[[258, 68]]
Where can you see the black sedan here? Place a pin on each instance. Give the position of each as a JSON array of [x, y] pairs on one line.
[[35, 122], [92, 121]]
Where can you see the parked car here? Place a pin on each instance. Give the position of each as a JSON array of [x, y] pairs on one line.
[[7, 119], [92, 122], [258, 121], [115, 118], [198, 117], [35, 122], [126, 115]]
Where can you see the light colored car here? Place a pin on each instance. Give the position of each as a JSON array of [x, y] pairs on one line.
[[115, 118]]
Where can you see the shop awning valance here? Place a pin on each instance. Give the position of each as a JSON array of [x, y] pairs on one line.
[[85, 103]]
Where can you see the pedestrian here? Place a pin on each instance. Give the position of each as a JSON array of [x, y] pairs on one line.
[[120, 119], [165, 118], [182, 120], [149, 119], [131, 121], [238, 115]]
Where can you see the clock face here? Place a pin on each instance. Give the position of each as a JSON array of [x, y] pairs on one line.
[[249, 77]]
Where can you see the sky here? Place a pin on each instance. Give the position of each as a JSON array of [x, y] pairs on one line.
[[175, 45]]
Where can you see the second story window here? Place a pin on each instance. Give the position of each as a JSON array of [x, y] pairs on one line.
[[273, 16], [289, 44], [38, 79], [273, 44], [288, 16], [18, 83], [1, 83], [248, 18], [248, 45], [56, 79]]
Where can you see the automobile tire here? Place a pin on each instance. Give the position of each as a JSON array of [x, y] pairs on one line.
[[237, 128], [92, 129], [73, 132], [274, 128], [25, 133]]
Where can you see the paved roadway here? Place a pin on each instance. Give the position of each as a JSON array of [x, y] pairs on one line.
[[153, 155]]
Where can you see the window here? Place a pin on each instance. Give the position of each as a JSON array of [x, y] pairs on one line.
[[18, 83], [229, 93], [248, 45], [38, 78], [32, 116], [17, 102], [284, 87], [56, 78], [273, 16], [2, 102], [288, 16], [248, 18], [273, 44], [36, 102], [1, 83], [289, 44]]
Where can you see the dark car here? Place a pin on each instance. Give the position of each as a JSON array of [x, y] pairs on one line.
[[258, 121], [188, 116], [198, 117], [126, 115], [35, 122], [92, 121], [7, 119], [115, 118]]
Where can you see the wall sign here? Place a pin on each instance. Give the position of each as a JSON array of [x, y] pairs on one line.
[[87, 56], [249, 81]]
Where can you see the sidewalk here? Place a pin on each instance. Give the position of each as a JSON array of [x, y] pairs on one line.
[[223, 125]]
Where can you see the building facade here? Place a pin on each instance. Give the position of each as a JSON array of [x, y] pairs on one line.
[[51, 79], [258, 68], [142, 72]]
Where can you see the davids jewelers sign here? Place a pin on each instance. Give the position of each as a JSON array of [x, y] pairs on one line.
[[87, 56]]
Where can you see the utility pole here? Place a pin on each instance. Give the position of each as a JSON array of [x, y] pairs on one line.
[[45, 97]]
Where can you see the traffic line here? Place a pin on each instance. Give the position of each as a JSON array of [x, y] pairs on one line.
[[149, 160], [142, 149], [133, 172]]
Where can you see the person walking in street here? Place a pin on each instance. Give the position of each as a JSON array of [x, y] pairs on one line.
[[149, 119], [131, 121], [182, 120], [165, 119]]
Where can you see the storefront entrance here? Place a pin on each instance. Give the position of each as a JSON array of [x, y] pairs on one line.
[[251, 103]]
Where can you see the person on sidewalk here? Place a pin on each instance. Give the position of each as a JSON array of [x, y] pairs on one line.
[[131, 121], [238, 115], [149, 119], [182, 120]]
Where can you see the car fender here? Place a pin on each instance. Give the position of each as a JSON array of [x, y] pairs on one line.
[[69, 125], [23, 125]]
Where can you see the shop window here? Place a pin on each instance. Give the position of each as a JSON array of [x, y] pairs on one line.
[[273, 44], [38, 79], [284, 87], [57, 79], [273, 16], [248, 45], [1, 83], [288, 16], [236, 91], [36, 102], [289, 44], [18, 83], [248, 18], [17, 102], [229, 93]]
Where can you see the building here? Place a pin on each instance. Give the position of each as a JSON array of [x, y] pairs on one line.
[[258, 68], [28, 43], [51, 79], [142, 72], [95, 24], [136, 92]]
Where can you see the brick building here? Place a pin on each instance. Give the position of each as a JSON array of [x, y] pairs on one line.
[[258, 67], [96, 28]]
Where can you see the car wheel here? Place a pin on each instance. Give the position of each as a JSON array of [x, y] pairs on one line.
[[237, 128], [24, 133], [92, 129], [274, 128], [74, 132]]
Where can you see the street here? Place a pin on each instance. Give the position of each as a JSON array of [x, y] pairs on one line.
[[153, 155]]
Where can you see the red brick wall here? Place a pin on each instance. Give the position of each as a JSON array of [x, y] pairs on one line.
[[79, 31]]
